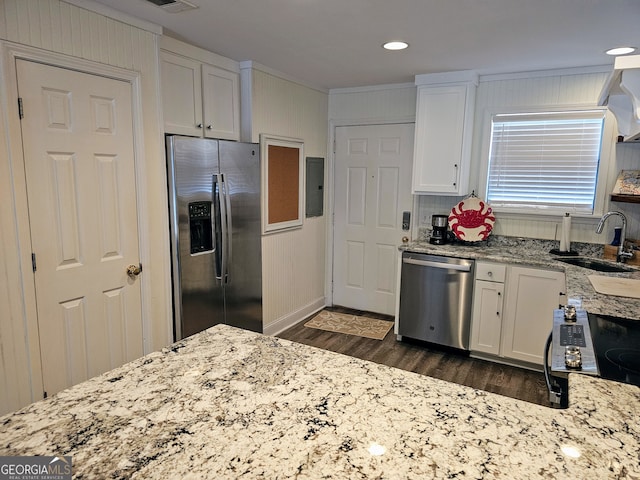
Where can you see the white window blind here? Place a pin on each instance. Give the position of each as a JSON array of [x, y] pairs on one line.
[[545, 162]]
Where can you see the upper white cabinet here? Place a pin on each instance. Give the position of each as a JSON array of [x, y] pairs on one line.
[[444, 130], [199, 98]]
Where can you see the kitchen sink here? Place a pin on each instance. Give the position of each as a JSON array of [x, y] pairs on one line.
[[594, 264]]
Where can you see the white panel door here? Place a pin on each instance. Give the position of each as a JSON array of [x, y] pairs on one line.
[[372, 189], [79, 160]]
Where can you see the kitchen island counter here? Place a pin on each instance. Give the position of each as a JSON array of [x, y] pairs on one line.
[[228, 403], [523, 251]]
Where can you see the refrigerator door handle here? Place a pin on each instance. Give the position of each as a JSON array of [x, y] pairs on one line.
[[225, 224], [217, 225], [228, 238]]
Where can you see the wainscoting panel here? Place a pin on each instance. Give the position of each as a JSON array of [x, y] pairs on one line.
[[293, 261]]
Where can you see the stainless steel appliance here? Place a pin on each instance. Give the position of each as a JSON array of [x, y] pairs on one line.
[[436, 295], [214, 204], [440, 225], [603, 345], [571, 349]]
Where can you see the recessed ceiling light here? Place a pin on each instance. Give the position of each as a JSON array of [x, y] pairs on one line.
[[620, 50], [395, 45]]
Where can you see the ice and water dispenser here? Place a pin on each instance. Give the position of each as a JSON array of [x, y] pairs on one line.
[[200, 227]]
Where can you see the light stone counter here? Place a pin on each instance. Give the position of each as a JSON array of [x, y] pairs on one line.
[[229, 404], [533, 252]]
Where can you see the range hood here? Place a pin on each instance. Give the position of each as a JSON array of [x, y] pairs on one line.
[[621, 93]]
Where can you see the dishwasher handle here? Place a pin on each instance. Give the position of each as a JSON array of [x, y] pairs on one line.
[[445, 266]]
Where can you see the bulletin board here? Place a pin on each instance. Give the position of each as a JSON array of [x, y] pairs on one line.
[[283, 188]]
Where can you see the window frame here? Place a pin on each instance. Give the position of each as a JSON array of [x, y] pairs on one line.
[[606, 165]]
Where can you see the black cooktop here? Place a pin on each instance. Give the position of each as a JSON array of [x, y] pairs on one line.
[[616, 342]]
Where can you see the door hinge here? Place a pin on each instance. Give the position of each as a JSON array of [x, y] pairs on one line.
[[33, 261], [20, 108]]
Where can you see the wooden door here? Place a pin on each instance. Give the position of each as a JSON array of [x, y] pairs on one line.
[[79, 160], [372, 190]]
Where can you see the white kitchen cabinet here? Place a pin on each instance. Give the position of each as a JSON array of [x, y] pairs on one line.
[[488, 296], [199, 99], [513, 312], [221, 103], [531, 297], [444, 128]]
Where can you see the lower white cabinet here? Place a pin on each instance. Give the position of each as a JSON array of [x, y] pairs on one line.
[[486, 323], [532, 296], [513, 311]]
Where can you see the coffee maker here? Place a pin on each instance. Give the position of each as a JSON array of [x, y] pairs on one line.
[[440, 224]]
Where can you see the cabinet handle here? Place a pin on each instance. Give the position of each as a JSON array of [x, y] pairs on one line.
[[199, 125], [209, 127], [499, 294], [489, 274], [455, 173]]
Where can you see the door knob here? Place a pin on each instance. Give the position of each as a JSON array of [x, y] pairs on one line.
[[134, 270]]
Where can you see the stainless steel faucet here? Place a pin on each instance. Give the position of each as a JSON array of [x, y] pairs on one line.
[[622, 254]]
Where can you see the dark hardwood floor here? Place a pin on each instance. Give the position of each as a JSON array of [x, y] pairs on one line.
[[425, 359]]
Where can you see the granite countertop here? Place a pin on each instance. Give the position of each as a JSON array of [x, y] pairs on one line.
[[533, 252], [228, 403]]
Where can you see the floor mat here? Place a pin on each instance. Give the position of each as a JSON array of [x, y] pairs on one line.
[[350, 324]]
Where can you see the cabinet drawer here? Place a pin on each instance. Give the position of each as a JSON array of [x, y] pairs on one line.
[[492, 272]]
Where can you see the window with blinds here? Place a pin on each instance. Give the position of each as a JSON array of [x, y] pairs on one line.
[[545, 162]]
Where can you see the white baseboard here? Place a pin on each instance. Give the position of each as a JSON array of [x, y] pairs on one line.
[[289, 320]]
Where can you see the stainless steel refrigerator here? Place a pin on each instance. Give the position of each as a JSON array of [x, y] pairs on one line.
[[214, 204]]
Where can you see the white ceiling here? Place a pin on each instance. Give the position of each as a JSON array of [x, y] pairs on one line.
[[337, 43]]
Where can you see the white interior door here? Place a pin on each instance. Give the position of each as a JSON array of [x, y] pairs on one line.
[[79, 160], [372, 190]]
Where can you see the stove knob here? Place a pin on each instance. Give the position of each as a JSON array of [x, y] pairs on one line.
[[570, 313], [572, 356]]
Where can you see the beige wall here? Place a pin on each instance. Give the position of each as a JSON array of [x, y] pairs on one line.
[[56, 26], [293, 276], [367, 105]]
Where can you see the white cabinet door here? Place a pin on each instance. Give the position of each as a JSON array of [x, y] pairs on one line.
[[532, 295], [442, 150], [221, 107], [486, 323], [181, 95]]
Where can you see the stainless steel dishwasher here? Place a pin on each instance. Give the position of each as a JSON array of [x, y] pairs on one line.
[[436, 294]]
